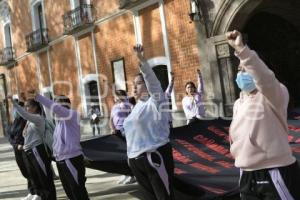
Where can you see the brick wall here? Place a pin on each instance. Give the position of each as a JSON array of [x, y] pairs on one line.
[[104, 8], [43, 62], [11, 81], [151, 31], [64, 68], [114, 40], [27, 74], [183, 45], [20, 25], [53, 13], [86, 54]]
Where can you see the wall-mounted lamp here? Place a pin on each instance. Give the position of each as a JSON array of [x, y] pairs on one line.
[[195, 11]]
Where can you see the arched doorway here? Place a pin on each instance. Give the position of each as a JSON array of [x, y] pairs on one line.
[[161, 73], [91, 94], [277, 42], [272, 29]]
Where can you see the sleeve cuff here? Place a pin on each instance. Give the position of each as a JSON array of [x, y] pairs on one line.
[[38, 97], [244, 53], [144, 67]]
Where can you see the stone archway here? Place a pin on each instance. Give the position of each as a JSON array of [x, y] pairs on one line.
[[239, 14], [278, 43], [233, 14], [216, 57]]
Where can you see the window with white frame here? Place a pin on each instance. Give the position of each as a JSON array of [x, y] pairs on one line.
[[7, 52], [38, 15], [119, 77], [5, 19], [76, 3], [91, 92], [7, 35]]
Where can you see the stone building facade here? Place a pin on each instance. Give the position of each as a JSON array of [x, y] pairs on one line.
[[82, 48]]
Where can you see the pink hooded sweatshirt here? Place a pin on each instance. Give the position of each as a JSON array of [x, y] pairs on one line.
[[258, 132]]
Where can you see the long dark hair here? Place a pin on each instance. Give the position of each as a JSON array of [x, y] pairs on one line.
[[121, 94], [37, 105], [132, 101], [190, 83], [63, 100]]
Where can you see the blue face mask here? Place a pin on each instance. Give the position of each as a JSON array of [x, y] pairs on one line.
[[245, 82]]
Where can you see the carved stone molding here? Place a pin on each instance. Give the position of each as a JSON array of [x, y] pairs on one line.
[[223, 50], [228, 11]]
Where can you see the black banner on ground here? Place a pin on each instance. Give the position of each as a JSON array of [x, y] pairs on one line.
[[203, 164]]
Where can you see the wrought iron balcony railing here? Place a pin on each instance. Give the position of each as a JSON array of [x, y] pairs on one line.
[[79, 18], [37, 39], [7, 56]]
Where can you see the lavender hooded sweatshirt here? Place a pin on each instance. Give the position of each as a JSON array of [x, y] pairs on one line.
[[66, 137]]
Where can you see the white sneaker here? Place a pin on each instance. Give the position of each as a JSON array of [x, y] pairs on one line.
[[28, 197], [122, 179], [36, 197], [129, 180]]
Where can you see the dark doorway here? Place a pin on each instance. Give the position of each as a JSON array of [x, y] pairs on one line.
[[92, 97], [161, 73], [93, 90], [7, 34], [277, 42], [81, 2], [40, 16]]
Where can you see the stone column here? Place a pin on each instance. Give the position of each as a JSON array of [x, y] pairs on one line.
[[226, 62]]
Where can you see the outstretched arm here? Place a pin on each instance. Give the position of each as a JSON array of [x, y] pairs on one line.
[[264, 78], [170, 86], [151, 81], [56, 108], [34, 118], [200, 87]]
